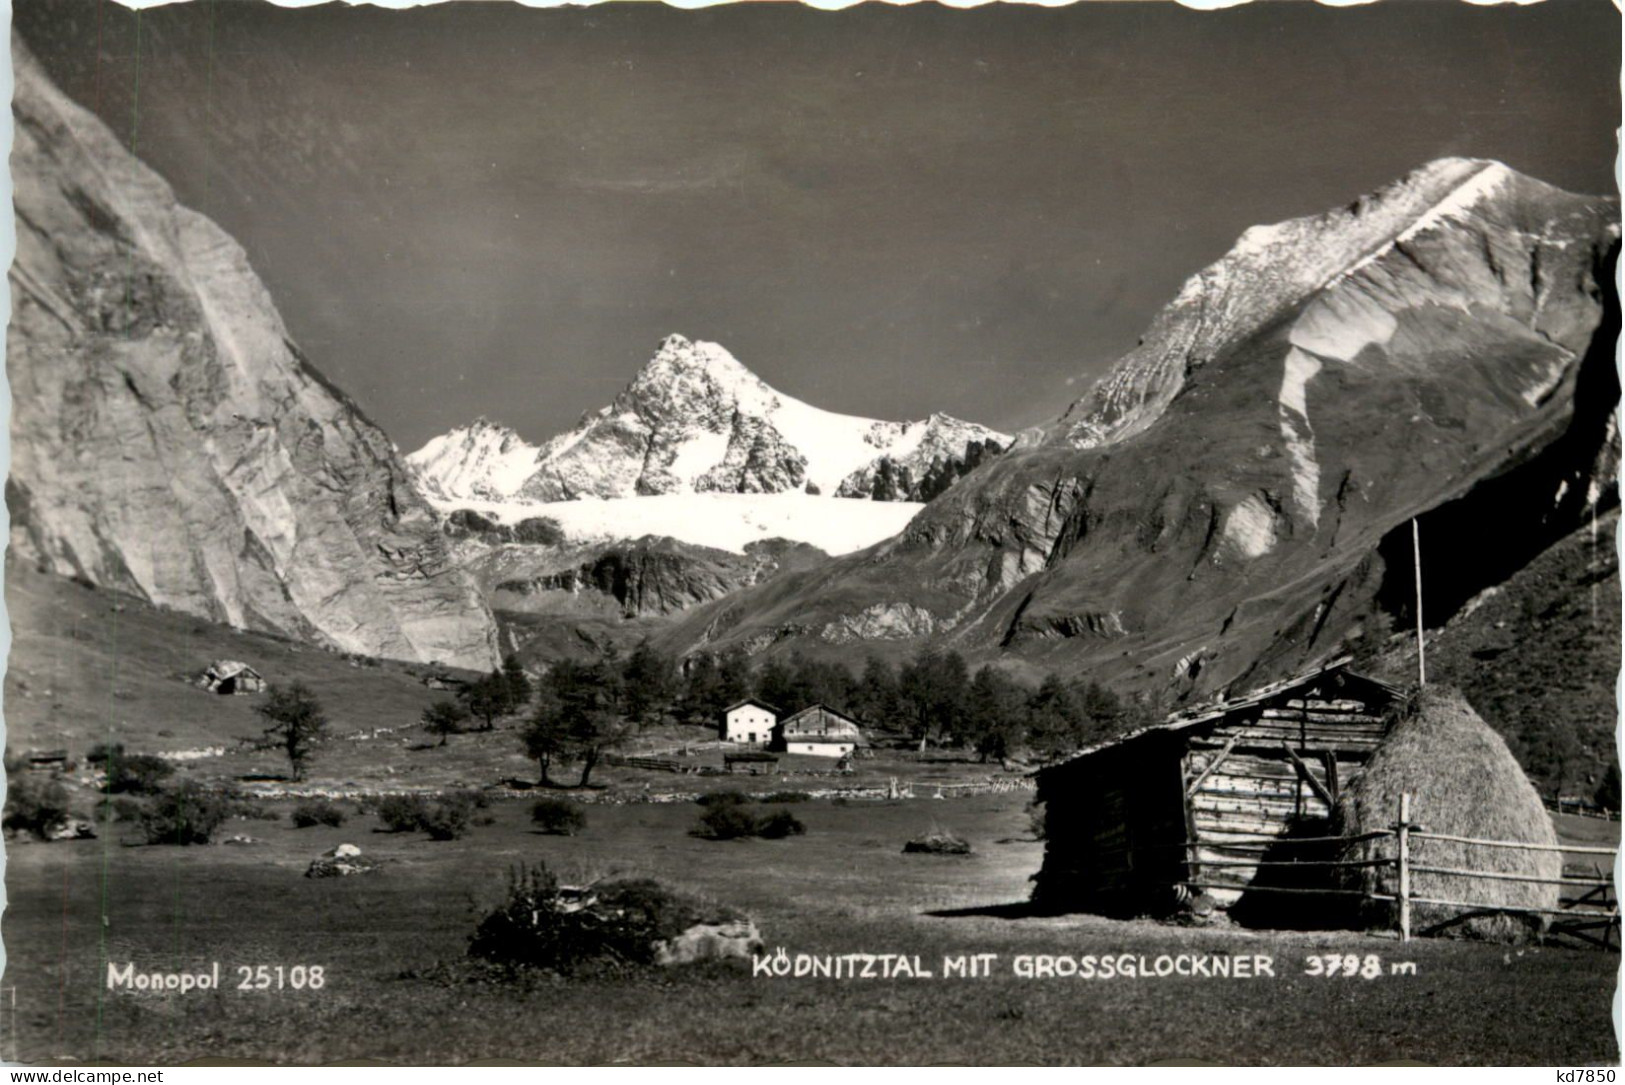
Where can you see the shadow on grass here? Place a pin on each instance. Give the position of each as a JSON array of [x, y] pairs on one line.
[[513, 783], [1021, 909]]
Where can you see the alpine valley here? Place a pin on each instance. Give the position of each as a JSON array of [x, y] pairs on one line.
[[1231, 502]]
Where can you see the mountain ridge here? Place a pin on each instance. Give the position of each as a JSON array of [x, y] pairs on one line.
[[1226, 503], [694, 419]]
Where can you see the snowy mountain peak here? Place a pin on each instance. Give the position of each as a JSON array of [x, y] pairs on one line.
[[696, 420], [687, 375], [680, 355], [483, 459], [1274, 269]]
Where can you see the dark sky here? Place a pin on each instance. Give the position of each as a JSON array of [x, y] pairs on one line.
[[488, 209]]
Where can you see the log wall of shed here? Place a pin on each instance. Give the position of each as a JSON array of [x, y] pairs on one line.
[[1115, 827], [1243, 788]]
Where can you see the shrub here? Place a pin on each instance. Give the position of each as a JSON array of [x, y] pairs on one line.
[[104, 751], [729, 821], [786, 796], [723, 798], [402, 813], [36, 806], [119, 809], [938, 842], [448, 818], [476, 799], [185, 814], [559, 816], [614, 925], [137, 774], [318, 812], [780, 824]]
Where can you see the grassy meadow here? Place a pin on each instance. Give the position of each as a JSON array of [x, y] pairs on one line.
[[88, 667], [845, 887]]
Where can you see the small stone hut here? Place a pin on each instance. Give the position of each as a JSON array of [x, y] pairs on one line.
[[229, 677]]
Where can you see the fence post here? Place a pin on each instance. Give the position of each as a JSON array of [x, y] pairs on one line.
[[1403, 829]]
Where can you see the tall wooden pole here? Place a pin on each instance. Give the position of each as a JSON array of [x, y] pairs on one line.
[[1403, 829], [1421, 640]]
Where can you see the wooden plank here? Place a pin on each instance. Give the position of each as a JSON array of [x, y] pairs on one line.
[[1361, 750], [1268, 828], [1279, 802], [1309, 777], [1317, 892], [1341, 704], [1420, 834], [1269, 809], [1261, 738], [1276, 767], [1211, 765], [1323, 715], [1211, 823], [1506, 876], [1289, 800], [1316, 732], [1310, 733]]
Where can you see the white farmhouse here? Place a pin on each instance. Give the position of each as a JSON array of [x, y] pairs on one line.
[[749, 723], [820, 731]]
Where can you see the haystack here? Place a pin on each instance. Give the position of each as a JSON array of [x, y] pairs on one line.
[[1463, 781]]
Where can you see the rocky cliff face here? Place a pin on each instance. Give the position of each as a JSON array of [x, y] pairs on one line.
[[649, 577], [1232, 500], [695, 420], [169, 440]]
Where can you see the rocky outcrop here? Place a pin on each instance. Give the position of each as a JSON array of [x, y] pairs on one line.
[[884, 621], [696, 420], [1232, 502], [168, 438], [947, 450], [531, 531], [733, 939], [648, 577], [758, 461]]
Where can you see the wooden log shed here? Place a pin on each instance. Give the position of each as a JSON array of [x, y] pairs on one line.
[[1190, 802]]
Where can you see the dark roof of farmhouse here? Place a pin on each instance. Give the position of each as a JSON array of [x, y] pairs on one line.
[[757, 701], [1188, 718], [821, 723]]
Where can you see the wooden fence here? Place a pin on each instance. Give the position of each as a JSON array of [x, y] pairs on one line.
[[1592, 906]]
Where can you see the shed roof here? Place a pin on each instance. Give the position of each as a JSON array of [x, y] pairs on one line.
[[1214, 710], [227, 668]]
